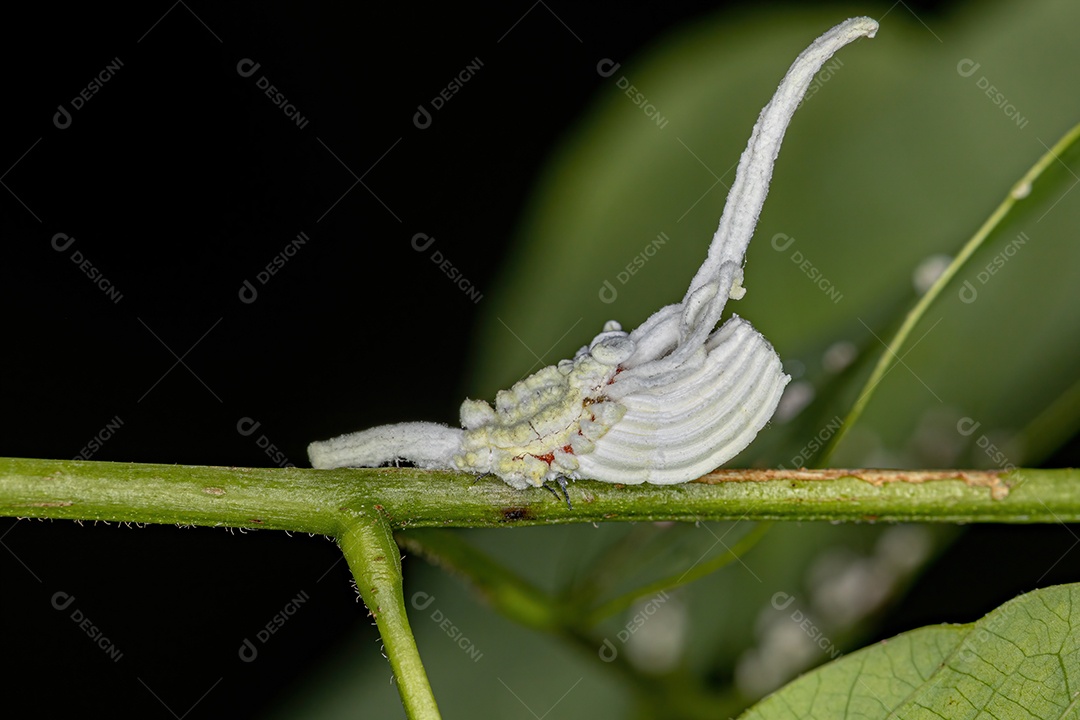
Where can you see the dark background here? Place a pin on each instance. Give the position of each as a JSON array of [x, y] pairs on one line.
[[179, 180]]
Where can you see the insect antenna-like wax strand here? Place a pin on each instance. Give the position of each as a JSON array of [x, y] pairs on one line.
[[666, 403]]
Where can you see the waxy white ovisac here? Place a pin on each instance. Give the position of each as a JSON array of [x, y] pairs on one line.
[[666, 403]]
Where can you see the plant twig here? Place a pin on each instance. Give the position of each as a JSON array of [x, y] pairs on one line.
[[322, 501], [361, 509], [369, 547], [1018, 192], [683, 577]]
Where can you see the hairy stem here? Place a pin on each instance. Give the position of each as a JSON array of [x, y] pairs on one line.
[[325, 501], [368, 545]]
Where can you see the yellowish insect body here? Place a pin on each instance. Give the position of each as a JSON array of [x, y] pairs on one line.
[[664, 404]]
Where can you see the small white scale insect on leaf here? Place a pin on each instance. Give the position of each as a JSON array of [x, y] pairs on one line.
[[664, 404]]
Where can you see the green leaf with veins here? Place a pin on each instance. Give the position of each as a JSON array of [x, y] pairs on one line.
[[1022, 660]]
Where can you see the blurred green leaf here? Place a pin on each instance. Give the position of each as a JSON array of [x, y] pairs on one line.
[[899, 156], [1018, 196], [1021, 660]]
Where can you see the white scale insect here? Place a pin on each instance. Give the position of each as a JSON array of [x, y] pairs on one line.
[[664, 404]]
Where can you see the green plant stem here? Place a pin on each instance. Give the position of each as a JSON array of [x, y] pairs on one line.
[[503, 589], [321, 501], [1053, 427], [610, 566], [699, 570], [1017, 193], [518, 599], [368, 544], [361, 508]]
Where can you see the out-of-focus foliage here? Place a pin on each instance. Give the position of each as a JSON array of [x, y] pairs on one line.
[[1019, 661], [899, 156]]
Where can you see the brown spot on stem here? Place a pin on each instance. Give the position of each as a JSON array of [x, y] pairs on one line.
[[515, 513], [990, 479], [216, 491]]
